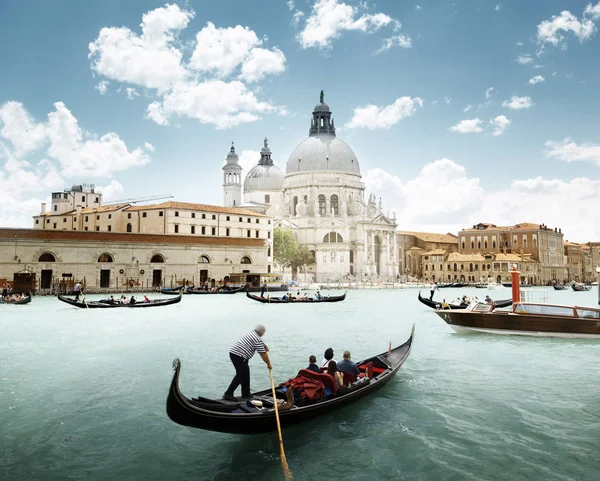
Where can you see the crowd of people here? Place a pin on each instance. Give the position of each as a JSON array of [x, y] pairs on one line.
[[298, 297], [123, 300]]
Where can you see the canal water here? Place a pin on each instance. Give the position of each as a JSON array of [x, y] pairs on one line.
[[82, 394]]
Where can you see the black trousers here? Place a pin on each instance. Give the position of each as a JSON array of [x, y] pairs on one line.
[[242, 376], [431, 293]]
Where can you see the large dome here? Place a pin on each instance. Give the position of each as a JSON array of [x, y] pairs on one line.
[[264, 177], [323, 152]]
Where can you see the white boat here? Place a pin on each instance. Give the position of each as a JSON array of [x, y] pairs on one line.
[[494, 286]]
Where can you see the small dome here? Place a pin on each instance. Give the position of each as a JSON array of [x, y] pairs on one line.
[[264, 177], [323, 152], [322, 107], [232, 156]]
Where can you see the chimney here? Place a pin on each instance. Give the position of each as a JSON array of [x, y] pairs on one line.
[[43, 208]]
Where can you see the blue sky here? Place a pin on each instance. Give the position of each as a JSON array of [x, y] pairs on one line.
[[401, 109]]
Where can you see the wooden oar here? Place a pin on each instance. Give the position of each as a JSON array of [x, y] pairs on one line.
[[286, 470]]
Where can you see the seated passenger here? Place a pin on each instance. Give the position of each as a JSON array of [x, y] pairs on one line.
[[312, 364], [111, 300], [318, 296], [328, 356], [488, 299], [132, 300], [284, 297], [347, 365], [333, 371], [146, 299]]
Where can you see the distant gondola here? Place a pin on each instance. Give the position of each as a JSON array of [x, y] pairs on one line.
[[301, 300], [558, 287], [438, 305], [580, 287], [105, 305], [244, 418], [24, 300], [218, 291], [172, 290]]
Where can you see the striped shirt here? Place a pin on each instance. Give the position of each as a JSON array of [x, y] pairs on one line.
[[247, 345]]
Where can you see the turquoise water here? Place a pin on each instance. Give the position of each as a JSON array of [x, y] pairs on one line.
[[82, 394]]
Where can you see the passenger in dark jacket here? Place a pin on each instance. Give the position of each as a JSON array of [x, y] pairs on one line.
[[312, 364]]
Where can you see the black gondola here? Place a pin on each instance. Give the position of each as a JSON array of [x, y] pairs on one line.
[[438, 305], [580, 287], [83, 304], [301, 300], [558, 287], [235, 418], [24, 300], [172, 290], [218, 291]]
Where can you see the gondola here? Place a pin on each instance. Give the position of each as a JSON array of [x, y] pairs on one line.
[[558, 287], [83, 304], [172, 290], [580, 287], [242, 418], [218, 291], [438, 305], [24, 300], [302, 300]]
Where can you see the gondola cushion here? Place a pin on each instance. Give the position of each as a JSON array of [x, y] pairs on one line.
[[326, 379], [308, 389]]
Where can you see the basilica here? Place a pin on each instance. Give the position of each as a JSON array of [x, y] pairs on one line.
[[321, 198]]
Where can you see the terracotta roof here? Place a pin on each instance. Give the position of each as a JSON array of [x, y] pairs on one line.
[[414, 248], [572, 244], [87, 210], [119, 237], [434, 252], [501, 257], [431, 236], [487, 228], [198, 207]]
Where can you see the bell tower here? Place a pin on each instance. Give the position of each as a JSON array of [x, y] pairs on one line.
[[232, 180]]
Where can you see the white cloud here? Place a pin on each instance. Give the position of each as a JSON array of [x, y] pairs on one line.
[[498, 7], [519, 44], [58, 145], [500, 124], [330, 18], [592, 11], [418, 7], [536, 80], [198, 89], [248, 159], [518, 103], [447, 100], [298, 15], [570, 151], [552, 31], [150, 59], [402, 41], [112, 191], [221, 51], [224, 104], [489, 92], [20, 128], [131, 93], [467, 108], [375, 117], [467, 126], [524, 59], [102, 87], [537, 65], [290, 4]]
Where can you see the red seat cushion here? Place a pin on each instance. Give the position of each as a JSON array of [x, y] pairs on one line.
[[376, 370], [326, 379], [348, 378]]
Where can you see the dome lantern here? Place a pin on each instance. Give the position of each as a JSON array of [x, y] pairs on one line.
[[322, 122]]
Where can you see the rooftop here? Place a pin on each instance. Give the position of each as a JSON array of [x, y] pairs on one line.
[[434, 252], [431, 236], [196, 207]]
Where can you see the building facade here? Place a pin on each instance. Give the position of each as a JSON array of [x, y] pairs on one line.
[[321, 198], [412, 246], [117, 261], [535, 241]]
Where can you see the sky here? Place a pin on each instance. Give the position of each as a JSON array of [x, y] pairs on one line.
[[459, 112]]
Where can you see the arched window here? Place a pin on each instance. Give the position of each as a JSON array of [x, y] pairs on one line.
[[105, 258], [129, 227], [322, 204], [246, 260], [334, 204], [269, 251], [157, 258], [332, 237], [471, 267], [204, 260], [47, 257], [295, 206]]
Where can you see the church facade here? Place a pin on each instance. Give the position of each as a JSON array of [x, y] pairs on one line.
[[321, 198]]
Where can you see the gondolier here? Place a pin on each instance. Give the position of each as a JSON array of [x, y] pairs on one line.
[[78, 289], [432, 290], [240, 353]]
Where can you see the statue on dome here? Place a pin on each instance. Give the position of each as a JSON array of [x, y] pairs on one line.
[[266, 143], [322, 97]]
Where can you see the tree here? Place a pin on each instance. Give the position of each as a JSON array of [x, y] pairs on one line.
[[287, 252]]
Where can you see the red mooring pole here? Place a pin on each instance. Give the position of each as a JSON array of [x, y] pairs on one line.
[[516, 284]]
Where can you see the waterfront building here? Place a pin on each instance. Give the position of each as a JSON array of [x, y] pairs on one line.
[[541, 243], [44, 260], [321, 198], [416, 247], [575, 257], [477, 268]]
